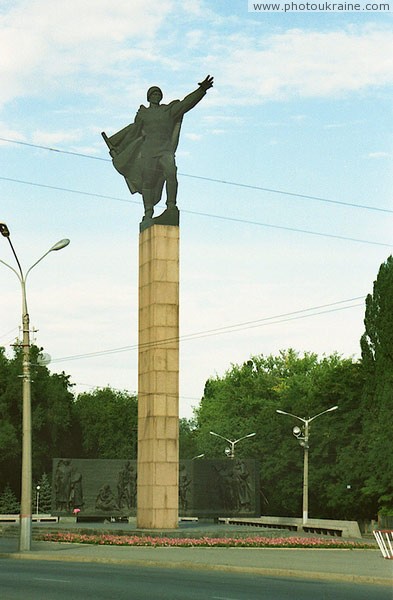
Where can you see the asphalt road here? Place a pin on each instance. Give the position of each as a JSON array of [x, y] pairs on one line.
[[38, 580]]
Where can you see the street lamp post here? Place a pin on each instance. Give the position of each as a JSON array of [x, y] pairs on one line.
[[232, 443], [37, 499], [26, 484], [302, 435]]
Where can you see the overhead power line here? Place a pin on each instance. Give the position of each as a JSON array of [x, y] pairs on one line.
[[69, 190], [53, 149], [274, 320], [222, 181], [8, 332], [134, 392], [209, 215], [294, 229], [285, 193]]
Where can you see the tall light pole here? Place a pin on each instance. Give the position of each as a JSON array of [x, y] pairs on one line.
[[232, 443], [302, 435], [37, 499], [26, 484]]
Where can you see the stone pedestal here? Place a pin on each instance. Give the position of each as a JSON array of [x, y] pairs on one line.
[[158, 381]]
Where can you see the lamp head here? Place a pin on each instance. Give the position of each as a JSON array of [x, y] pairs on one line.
[[199, 456], [59, 245], [4, 230], [297, 432]]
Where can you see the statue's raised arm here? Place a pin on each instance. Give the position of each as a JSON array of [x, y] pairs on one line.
[[207, 83], [144, 151]]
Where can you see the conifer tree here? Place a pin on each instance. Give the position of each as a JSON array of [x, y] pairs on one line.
[[9, 504], [377, 401], [45, 494]]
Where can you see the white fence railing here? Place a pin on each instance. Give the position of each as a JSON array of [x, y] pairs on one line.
[[385, 542]]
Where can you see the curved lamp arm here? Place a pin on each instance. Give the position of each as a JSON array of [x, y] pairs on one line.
[[281, 412], [322, 413], [58, 246]]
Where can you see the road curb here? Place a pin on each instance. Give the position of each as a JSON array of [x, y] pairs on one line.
[[263, 571]]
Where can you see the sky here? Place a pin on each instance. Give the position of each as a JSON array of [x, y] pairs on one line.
[[285, 179]]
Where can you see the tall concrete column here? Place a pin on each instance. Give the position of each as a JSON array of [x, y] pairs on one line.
[[158, 378]]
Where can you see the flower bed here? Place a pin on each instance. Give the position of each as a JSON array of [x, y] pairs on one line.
[[206, 542]]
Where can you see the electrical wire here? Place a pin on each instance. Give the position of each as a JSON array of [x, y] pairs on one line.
[[133, 392], [230, 328], [304, 196], [274, 320], [8, 332], [71, 191], [222, 181], [53, 149], [209, 215]]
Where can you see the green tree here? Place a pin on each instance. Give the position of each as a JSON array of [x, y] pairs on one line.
[[51, 405], [10, 390], [107, 423], [45, 494], [377, 400], [9, 504], [188, 444], [245, 400]]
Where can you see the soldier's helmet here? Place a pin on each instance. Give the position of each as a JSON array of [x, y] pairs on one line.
[[154, 88]]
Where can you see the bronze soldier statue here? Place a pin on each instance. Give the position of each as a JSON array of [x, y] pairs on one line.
[[144, 151]]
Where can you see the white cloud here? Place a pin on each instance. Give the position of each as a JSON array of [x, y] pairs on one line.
[[49, 46], [379, 155], [335, 125], [195, 38], [55, 137], [222, 120], [308, 63], [194, 137], [299, 118], [11, 134], [44, 41]]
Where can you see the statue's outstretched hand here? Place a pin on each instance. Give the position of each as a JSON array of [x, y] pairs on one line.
[[206, 83]]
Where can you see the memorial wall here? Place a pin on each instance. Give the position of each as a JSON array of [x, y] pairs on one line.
[[108, 487]]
